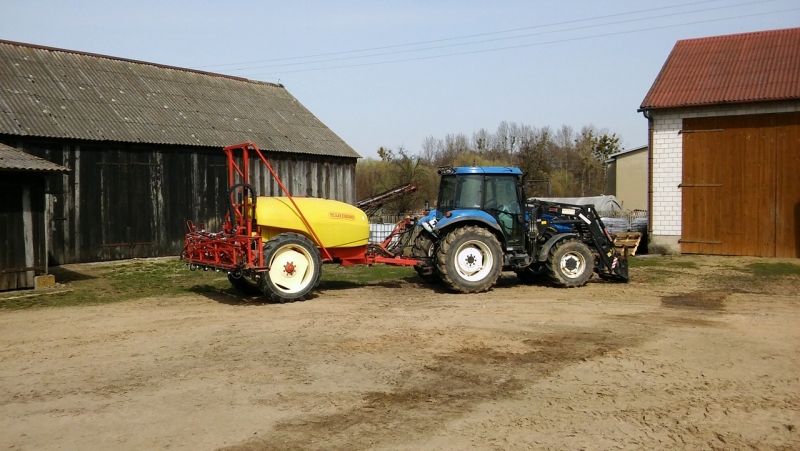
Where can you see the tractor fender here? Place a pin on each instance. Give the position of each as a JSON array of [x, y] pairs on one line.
[[468, 216], [544, 251]]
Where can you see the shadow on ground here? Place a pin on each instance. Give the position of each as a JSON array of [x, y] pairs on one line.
[[64, 275]]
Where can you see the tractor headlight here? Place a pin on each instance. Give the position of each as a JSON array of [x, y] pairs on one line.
[[429, 225]]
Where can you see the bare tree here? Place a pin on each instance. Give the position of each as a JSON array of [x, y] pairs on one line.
[[565, 162]]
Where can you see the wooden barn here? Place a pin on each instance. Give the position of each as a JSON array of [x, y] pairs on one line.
[[143, 145], [724, 121], [23, 219]]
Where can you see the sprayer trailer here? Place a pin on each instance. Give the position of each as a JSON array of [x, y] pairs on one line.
[[275, 246]]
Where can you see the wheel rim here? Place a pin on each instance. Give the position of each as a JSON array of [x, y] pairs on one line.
[[430, 250], [291, 269], [474, 260], [572, 264]]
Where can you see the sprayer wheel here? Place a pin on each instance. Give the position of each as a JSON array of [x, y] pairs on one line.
[[294, 265]]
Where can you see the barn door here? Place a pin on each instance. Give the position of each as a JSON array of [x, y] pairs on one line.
[[740, 185], [142, 241], [788, 180], [116, 209], [127, 213]]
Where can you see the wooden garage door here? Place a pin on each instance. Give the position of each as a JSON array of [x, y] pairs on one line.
[[741, 185]]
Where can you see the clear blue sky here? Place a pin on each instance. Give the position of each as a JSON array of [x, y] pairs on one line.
[[437, 67]]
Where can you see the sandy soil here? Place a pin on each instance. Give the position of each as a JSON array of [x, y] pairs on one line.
[[400, 366]]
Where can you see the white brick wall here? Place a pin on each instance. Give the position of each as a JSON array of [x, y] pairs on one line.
[[668, 156]]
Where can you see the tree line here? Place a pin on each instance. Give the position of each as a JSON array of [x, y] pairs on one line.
[[558, 162]]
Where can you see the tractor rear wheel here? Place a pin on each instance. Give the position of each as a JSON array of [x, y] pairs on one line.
[[294, 265], [423, 250], [570, 264], [469, 259]]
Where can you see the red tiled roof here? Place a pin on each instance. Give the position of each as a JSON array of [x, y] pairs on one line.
[[748, 67]]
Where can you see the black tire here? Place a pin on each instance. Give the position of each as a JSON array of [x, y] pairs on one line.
[[534, 274], [245, 285], [424, 250], [570, 264], [295, 268], [469, 260]]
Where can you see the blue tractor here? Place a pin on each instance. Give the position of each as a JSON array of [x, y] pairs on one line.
[[483, 225]]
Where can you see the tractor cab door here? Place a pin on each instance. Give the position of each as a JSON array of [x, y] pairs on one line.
[[502, 201]]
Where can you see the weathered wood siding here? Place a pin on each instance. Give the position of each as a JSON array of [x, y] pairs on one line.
[[133, 200], [23, 255]]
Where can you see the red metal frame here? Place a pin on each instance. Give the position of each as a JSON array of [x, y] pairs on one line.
[[221, 250], [237, 247]]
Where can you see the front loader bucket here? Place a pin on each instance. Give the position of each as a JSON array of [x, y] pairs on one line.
[[618, 272]]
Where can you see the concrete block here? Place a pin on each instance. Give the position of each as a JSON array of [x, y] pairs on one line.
[[45, 281]]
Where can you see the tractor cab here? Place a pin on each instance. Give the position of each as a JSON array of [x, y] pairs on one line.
[[489, 195]]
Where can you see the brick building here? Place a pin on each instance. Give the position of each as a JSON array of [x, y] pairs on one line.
[[724, 131]]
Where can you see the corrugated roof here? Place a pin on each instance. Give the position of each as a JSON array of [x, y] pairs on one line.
[[12, 159], [748, 67], [65, 94]]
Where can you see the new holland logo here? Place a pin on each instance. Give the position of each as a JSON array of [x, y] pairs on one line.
[[337, 215]]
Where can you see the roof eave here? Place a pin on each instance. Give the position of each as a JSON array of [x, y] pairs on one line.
[[646, 108]]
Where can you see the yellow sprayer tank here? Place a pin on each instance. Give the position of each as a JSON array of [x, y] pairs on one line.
[[337, 224]]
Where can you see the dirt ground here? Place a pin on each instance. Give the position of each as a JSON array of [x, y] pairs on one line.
[[681, 360]]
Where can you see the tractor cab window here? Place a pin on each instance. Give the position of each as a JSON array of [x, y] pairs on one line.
[[470, 191], [464, 191], [447, 193]]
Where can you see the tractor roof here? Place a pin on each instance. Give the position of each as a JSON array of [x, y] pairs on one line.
[[480, 170]]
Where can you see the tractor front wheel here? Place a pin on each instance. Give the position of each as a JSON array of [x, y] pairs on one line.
[[469, 259], [570, 264], [294, 265], [423, 250]]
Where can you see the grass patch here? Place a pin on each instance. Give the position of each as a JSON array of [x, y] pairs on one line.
[[114, 282], [138, 279], [655, 276], [649, 262], [772, 269], [660, 269], [682, 264], [661, 262]]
